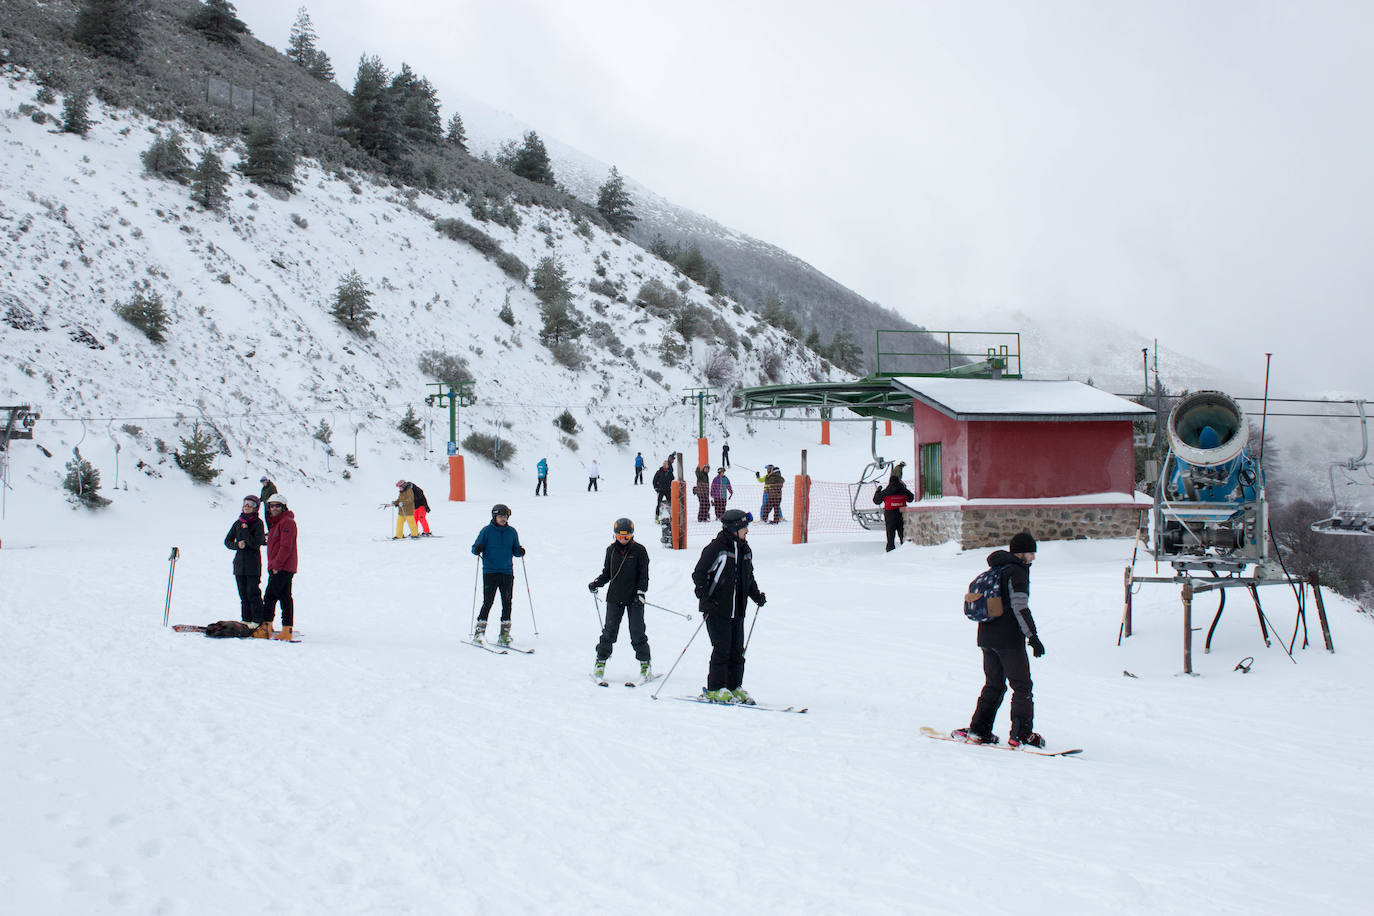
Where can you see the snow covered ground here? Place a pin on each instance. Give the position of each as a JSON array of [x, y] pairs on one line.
[[381, 766]]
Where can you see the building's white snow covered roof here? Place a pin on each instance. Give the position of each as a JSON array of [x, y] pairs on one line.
[[1019, 399]]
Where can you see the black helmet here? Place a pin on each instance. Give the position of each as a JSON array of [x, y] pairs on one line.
[[623, 526], [500, 509], [735, 519]]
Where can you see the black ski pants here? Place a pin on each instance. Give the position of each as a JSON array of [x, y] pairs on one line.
[[491, 582], [892, 518], [639, 639], [593, 485], [279, 589], [1003, 667], [542, 482], [639, 475], [250, 596], [727, 651]]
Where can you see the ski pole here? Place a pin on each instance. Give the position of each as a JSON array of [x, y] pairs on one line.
[[476, 576], [669, 610], [597, 602], [679, 658], [757, 611], [526, 573], [171, 571]]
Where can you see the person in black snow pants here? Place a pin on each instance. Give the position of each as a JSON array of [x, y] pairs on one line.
[[626, 571], [1003, 640], [246, 537], [724, 580], [497, 544], [702, 491], [725, 454], [663, 487], [893, 498]]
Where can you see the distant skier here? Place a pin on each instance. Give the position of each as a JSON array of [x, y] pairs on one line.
[[405, 510], [721, 491], [593, 476], [542, 479], [1003, 640], [281, 568], [246, 537], [268, 488], [725, 454], [639, 468], [893, 498], [663, 487], [772, 481], [724, 580], [497, 544], [421, 509], [626, 571]]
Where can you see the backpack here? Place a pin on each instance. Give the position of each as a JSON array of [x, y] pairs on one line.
[[419, 496], [983, 601], [228, 629]]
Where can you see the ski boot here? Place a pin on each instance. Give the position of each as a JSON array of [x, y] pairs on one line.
[[1029, 739], [719, 695], [504, 638], [645, 672], [742, 696], [599, 669], [284, 634], [480, 631]]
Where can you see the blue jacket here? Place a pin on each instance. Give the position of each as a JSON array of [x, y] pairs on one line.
[[542, 468], [496, 545], [639, 462]]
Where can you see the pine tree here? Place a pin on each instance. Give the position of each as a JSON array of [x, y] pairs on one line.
[[83, 482], [845, 353], [351, 304], [417, 106], [371, 123], [613, 202], [531, 161], [268, 160], [321, 68], [75, 106], [197, 455], [209, 182], [167, 157], [457, 134], [300, 47], [112, 27], [145, 311], [554, 293], [218, 21], [410, 425]]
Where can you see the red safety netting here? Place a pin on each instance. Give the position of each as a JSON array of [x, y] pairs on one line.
[[831, 509]]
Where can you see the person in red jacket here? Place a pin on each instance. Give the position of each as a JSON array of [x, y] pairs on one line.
[[893, 498], [281, 568]]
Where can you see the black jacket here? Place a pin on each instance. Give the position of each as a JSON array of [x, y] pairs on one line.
[[420, 501], [1016, 623], [627, 570], [248, 560], [895, 487], [663, 481], [724, 576]]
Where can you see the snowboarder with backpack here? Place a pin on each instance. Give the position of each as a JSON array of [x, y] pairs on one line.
[[497, 544], [724, 580], [421, 509], [893, 498], [1004, 631], [541, 480], [246, 538], [626, 572], [281, 569]]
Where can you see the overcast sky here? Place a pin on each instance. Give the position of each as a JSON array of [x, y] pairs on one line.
[[1200, 171]]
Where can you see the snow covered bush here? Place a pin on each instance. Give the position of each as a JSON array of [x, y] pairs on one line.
[[497, 451], [83, 482], [167, 158], [410, 425], [448, 368], [145, 311], [197, 455], [566, 422]]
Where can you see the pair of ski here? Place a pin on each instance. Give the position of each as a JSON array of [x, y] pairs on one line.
[[497, 648], [1022, 749], [761, 707], [196, 628], [602, 682]]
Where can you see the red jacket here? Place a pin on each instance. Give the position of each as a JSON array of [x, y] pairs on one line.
[[281, 543]]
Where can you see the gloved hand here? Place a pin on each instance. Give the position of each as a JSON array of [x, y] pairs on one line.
[[1037, 647], [591, 587], [761, 600], [639, 596], [519, 551], [477, 551]]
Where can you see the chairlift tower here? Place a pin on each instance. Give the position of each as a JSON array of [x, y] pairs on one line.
[[701, 397], [456, 396]]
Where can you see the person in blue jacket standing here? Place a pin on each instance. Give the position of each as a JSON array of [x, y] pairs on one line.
[[639, 468], [542, 480], [497, 544]]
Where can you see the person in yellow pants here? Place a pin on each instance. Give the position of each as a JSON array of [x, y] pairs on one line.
[[405, 510]]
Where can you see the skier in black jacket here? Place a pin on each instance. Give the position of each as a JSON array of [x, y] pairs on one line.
[[246, 537], [421, 510], [1003, 640], [626, 571], [724, 580], [892, 498], [663, 486]]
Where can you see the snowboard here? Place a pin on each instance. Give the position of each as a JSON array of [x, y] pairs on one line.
[[1039, 751], [195, 628]]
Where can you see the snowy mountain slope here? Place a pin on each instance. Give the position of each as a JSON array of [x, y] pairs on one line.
[[253, 349]]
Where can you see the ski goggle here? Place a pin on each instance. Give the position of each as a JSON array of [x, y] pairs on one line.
[[624, 535]]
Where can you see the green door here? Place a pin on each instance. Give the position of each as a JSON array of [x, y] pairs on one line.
[[931, 471]]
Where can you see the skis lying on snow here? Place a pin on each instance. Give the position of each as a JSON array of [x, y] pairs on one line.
[[762, 707], [195, 628], [1023, 749]]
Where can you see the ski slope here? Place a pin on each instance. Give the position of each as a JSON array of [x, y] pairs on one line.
[[381, 766]]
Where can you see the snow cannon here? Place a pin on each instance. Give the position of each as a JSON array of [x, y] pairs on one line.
[[1209, 506]]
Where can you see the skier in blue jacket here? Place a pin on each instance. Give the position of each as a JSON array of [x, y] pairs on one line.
[[542, 479], [497, 544]]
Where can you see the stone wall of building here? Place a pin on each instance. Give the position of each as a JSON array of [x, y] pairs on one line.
[[993, 525]]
